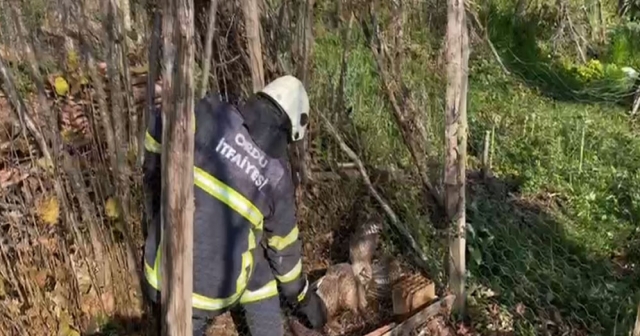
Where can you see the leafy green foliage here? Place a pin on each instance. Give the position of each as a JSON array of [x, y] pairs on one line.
[[548, 244], [565, 196], [625, 45]]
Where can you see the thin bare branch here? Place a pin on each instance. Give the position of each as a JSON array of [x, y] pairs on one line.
[[208, 50], [407, 126], [252, 26], [395, 221], [21, 111], [36, 77], [485, 34], [403, 110]]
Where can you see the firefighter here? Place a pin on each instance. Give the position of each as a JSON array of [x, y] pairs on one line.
[[246, 244]]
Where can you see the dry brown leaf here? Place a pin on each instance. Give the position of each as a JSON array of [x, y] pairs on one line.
[[109, 301], [32, 313], [41, 278], [11, 176], [102, 68], [51, 244]]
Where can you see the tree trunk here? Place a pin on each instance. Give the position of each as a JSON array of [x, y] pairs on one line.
[[252, 28], [177, 166], [457, 53]]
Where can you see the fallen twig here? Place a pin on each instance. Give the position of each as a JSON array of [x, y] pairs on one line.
[[382, 330], [421, 262], [422, 317]]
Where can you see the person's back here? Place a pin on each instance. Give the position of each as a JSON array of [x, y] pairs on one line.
[[242, 193]]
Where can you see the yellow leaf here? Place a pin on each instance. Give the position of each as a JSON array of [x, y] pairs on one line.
[[140, 70], [45, 164], [61, 86], [64, 327], [67, 136], [48, 210], [72, 60], [111, 208], [132, 154]]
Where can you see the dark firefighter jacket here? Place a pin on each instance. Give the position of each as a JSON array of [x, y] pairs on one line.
[[245, 235]]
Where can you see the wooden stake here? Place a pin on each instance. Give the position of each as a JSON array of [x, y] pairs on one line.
[[457, 53], [485, 153], [177, 167]]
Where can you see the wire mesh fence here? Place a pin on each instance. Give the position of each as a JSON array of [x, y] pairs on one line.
[[552, 254]]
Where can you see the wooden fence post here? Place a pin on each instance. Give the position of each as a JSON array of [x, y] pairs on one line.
[[177, 166], [457, 55], [485, 154]]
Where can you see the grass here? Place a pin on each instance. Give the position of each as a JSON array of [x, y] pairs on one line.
[[554, 255], [565, 195]]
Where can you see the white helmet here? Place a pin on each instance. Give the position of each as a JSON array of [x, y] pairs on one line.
[[289, 93]]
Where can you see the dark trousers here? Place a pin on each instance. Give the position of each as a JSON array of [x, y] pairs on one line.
[[261, 318]]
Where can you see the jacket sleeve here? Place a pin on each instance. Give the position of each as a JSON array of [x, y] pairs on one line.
[[283, 244], [152, 168]]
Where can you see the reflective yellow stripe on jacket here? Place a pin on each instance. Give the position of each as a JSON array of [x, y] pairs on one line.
[[203, 302], [292, 274], [267, 291], [280, 243], [244, 207]]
